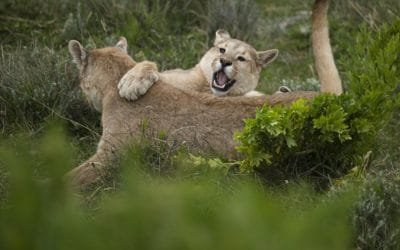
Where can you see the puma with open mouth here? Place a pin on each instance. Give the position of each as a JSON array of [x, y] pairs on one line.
[[221, 82], [231, 67]]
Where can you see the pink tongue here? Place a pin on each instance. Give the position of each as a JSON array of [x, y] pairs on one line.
[[221, 78]]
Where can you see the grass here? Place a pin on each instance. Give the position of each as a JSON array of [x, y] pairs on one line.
[[167, 198]]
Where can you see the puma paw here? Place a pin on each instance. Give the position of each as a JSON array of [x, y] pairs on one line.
[[254, 93], [138, 80]]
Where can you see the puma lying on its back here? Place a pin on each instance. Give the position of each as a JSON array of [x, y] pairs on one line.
[[232, 67], [197, 120]]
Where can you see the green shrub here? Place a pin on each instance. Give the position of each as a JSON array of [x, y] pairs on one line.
[[326, 137]]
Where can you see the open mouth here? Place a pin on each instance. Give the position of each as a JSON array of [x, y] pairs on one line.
[[221, 82]]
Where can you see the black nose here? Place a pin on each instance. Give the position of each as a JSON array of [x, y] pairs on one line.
[[224, 62]]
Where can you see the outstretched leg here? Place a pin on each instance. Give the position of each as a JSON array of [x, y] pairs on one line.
[[138, 80]]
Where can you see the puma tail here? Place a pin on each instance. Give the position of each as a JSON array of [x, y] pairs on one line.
[[327, 72]]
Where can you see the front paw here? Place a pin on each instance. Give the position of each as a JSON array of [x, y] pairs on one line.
[[138, 80]]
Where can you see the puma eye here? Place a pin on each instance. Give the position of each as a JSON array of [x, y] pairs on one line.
[[241, 58], [222, 50]]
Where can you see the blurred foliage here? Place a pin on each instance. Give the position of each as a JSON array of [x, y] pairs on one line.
[[153, 213]]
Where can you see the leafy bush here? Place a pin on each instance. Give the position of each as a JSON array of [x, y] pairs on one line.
[[325, 138]]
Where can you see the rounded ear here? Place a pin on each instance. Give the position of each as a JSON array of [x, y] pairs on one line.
[[220, 36], [266, 57], [77, 52], [122, 44]]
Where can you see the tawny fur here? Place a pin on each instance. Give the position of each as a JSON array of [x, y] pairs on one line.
[[201, 121]]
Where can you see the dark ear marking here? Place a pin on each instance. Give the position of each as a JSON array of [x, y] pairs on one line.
[[266, 57]]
